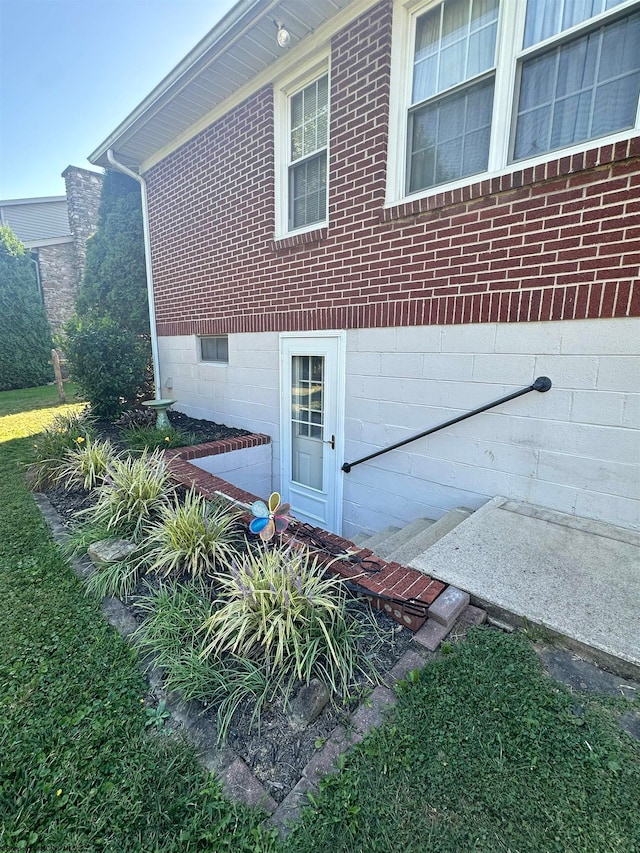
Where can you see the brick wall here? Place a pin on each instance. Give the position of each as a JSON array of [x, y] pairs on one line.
[[558, 241]]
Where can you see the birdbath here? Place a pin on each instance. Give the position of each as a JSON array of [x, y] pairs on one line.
[[160, 407]]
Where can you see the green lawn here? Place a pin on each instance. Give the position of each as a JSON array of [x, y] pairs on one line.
[[484, 753], [78, 769]]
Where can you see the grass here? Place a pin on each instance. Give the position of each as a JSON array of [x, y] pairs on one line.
[[29, 411], [483, 752], [79, 768]]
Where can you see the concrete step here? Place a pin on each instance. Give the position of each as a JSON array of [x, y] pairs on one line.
[[405, 534], [371, 542], [425, 539], [575, 577]]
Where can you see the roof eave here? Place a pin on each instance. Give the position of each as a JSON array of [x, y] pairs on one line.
[[38, 200], [203, 53]]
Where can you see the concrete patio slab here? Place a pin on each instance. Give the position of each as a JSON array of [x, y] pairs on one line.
[[577, 577]]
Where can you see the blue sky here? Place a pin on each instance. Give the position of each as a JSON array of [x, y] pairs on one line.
[[72, 70]]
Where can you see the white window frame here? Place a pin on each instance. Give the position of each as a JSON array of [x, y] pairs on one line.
[[284, 90], [508, 60]]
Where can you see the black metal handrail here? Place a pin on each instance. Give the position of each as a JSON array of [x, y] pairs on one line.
[[542, 383]]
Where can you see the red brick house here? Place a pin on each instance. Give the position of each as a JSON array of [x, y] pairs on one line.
[[405, 212]]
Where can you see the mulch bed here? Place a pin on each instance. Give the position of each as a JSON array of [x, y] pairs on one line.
[[274, 752], [200, 430]]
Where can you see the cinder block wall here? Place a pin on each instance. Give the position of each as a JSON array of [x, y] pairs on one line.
[[575, 449]]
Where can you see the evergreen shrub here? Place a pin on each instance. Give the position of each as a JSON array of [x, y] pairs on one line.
[[25, 337], [115, 281], [108, 362]]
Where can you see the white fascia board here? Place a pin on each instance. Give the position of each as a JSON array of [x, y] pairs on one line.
[[48, 241], [186, 70], [14, 201]]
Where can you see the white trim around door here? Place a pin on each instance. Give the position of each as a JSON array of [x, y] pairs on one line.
[[312, 392]]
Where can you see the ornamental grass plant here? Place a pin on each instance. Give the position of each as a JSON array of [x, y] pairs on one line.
[[137, 438], [119, 578], [132, 494], [66, 433], [278, 607], [193, 535], [86, 464], [171, 633], [173, 615]]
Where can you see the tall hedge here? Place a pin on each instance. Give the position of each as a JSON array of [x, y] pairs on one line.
[[25, 336], [115, 282], [108, 345]]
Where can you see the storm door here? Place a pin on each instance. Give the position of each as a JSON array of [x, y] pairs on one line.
[[312, 381]]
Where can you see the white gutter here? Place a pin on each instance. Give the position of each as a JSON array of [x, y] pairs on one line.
[[147, 257]]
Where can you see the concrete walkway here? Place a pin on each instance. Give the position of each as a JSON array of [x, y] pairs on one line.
[[577, 577]]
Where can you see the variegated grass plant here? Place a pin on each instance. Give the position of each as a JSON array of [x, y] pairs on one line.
[[131, 495], [86, 464], [171, 634], [65, 434], [278, 608], [196, 536]]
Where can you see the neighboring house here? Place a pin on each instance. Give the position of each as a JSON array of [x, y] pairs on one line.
[[412, 210], [55, 230]]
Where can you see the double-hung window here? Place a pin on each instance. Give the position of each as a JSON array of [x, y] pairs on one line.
[[580, 88], [303, 142], [490, 83], [308, 134], [452, 92]]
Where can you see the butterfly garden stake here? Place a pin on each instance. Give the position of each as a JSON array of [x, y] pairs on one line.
[[269, 519]]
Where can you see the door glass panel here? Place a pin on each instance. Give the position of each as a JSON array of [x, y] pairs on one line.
[[307, 419]]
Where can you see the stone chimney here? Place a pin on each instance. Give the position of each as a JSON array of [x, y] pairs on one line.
[[83, 200]]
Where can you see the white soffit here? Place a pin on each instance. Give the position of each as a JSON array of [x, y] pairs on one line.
[[241, 47]]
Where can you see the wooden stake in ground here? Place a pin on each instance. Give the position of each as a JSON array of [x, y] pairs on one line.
[[55, 358]]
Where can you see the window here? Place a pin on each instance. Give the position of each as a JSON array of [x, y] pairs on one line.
[[580, 89], [453, 83], [495, 82], [302, 138], [308, 132], [215, 349]]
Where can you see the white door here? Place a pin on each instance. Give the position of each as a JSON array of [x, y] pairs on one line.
[[312, 412]]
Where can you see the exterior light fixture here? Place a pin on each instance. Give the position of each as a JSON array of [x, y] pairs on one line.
[[284, 36]]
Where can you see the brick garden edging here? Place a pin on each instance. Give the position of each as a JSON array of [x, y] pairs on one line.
[[410, 590]]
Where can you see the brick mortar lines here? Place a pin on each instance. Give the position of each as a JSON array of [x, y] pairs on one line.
[[364, 271], [238, 781], [412, 592]]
